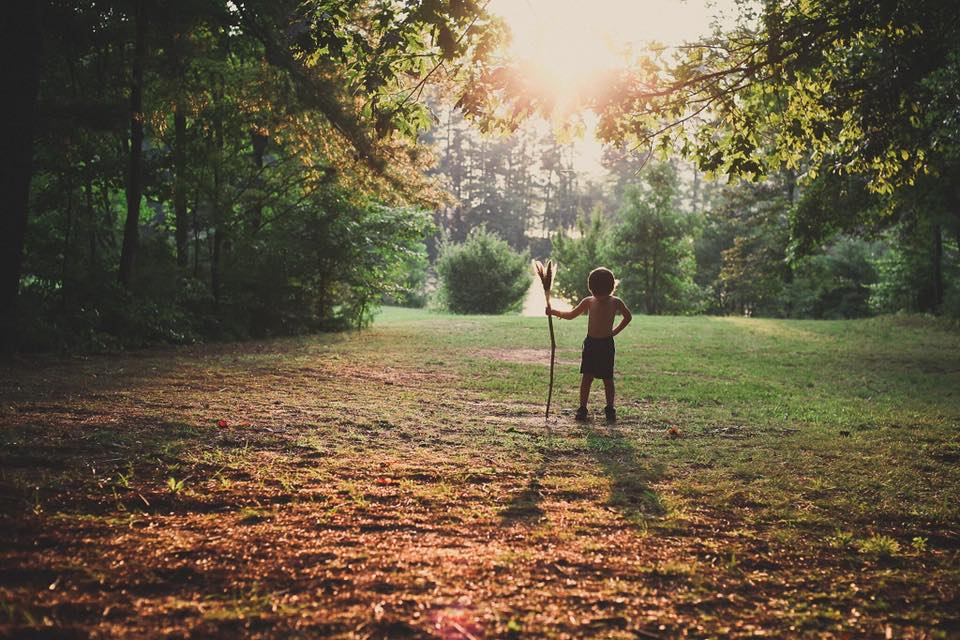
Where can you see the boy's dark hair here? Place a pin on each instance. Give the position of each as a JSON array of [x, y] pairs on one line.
[[601, 282]]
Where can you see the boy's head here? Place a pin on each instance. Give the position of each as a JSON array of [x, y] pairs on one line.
[[601, 282]]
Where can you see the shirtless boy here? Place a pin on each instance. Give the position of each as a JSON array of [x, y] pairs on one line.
[[598, 347]]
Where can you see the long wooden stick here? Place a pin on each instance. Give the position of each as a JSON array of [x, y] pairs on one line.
[[553, 353], [546, 279]]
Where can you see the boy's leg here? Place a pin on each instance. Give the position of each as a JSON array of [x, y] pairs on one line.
[[608, 390], [585, 383]]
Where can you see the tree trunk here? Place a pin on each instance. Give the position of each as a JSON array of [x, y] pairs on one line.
[[937, 273], [791, 180], [654, 277], [179, 185], [215, 265], [65, 260], [696, 189], [196, 243], [258, 139], [955, 206], [131, 227], [92, 221], [179, 161], [217, 214], [20, 39]]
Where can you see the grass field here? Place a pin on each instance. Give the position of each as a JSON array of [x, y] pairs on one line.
[[771, 478]]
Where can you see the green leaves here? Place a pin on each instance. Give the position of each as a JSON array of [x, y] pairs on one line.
[[482, 275], [841, 86]]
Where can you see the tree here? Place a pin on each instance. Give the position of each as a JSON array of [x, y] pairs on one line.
[[858, 98], [221, 138], [862, 92], [131, 228], [576, 256], [651, 248], [902, 282], [836, 283], [521, 185]]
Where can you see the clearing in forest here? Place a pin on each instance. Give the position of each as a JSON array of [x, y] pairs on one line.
[[765, 477]]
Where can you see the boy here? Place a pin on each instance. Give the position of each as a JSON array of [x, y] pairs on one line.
[[598, 347]]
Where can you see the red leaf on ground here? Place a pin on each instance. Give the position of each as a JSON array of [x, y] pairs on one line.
[[223, 423]]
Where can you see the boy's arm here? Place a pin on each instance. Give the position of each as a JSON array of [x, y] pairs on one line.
[[627, 316], [573, 313]]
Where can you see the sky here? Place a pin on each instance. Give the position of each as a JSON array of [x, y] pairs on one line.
[[568, 41]]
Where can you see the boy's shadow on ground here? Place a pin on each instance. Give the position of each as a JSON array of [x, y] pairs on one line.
[[616, 453], [630, 476]]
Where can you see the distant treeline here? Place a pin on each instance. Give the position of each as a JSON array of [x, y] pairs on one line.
[[734, 254], [684, 245]]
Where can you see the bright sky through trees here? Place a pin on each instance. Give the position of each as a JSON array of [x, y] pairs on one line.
[[567, 43]]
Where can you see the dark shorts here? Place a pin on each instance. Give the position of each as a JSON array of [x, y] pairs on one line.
[[597, 359]]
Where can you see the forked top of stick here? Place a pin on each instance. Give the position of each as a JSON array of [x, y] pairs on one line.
[[546, 276], [545, 273]]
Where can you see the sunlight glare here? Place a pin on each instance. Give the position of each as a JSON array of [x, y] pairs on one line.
[[566, 46]]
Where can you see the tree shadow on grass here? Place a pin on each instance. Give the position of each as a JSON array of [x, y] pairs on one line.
[[127, 468], [616, 453]]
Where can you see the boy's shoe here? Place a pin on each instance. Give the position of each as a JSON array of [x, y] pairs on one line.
[[610, 412], [580, 415]]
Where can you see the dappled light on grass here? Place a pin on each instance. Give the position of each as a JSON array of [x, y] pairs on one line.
[[769, 328], [363, 488]]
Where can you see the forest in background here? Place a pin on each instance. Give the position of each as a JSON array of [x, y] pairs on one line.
[[684, 244], [225, 170]]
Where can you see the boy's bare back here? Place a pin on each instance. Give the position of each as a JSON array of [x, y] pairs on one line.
[[601, 311]]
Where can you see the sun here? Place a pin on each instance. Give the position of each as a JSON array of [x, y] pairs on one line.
[[560, 52], [565, 46]]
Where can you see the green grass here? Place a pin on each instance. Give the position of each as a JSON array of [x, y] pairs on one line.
[[365, 479], [860, 416]]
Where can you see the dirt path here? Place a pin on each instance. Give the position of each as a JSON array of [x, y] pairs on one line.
[[534, 303]]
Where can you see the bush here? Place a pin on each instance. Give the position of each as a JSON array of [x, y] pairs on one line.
[[411, 291], [482, 275]]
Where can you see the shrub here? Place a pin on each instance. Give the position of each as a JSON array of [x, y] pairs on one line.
[[919, 544], [482, 275]]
